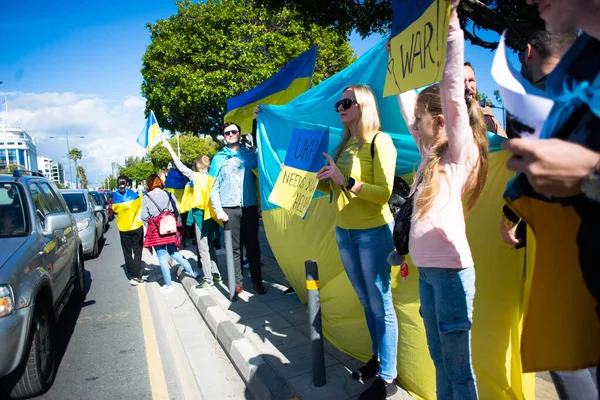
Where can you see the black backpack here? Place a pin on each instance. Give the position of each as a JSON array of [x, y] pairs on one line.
[[401, 206], [400, 191]]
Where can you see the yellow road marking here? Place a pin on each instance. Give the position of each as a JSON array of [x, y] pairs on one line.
[[158, 384]]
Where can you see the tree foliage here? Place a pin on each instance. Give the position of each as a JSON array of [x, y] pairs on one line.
[[374, 16], [82, 176], [133, 160], [110, 182], [191, 147], [140, 171], [210, 51], [10, 168], [75, 155]]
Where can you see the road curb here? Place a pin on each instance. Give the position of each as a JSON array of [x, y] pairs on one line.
[[262, 380]]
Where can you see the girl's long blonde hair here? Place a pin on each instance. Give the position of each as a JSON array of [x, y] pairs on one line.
[[430, 99], [369, 116]]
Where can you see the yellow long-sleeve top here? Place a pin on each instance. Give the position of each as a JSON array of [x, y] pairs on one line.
[[369, 209]]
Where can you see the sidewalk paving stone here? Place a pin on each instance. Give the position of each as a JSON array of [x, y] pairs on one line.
[[267, 338]]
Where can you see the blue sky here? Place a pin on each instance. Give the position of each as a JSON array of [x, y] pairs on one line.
[[75, 66]]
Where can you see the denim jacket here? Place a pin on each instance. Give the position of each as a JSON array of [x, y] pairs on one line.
[[235, 183]]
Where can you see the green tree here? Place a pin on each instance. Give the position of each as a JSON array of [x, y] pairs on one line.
[[110, 182], [140, 171], [10, 168], [75, 155], [375, 16], [214, 50], [133, 160], [191, 148], [485, 98], [82, 176]]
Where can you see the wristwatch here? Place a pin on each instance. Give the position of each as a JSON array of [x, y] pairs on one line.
[[590, 185], [350, 183]]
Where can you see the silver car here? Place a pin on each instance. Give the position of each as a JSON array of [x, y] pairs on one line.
[[41, 267], [90, 222]]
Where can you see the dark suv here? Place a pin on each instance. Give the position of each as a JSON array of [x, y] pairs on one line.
[[41, 267]]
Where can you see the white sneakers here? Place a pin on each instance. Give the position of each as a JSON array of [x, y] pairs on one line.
[[135, 282], [166, 289]]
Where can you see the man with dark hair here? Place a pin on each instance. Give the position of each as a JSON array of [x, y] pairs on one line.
[[542, 53], [126, 206], [471, 94], [561, 175], [539, 57], [234, 198]]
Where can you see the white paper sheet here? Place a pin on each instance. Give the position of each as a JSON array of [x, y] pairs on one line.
[[528, 106]]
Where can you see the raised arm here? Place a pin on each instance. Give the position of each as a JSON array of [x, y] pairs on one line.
[[407, 102], [187, 172], [454, 107]]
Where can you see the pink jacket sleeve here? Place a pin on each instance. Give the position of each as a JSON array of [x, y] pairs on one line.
[[454, 107], [407, 101]]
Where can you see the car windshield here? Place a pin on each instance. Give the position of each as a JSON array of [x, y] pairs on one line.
[[13, 217], [75, 201]]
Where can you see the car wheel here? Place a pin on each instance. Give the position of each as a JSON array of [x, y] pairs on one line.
[[38, 372], [96, 249], [79, 290]]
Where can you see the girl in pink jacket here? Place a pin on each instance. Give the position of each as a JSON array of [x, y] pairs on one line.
[[453, 144]]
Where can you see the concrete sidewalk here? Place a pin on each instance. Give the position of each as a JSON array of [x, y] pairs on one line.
[[267, 337]]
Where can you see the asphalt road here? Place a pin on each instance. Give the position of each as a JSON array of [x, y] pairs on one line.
[[124, 342]]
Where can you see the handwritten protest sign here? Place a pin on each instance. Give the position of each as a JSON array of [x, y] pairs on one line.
[[297, 180], [418, 46]]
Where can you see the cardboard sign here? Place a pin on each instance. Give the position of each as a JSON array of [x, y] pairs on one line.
[[418, 46], [297, 182]]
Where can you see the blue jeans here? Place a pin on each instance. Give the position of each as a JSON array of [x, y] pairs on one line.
[[364, 255], [163, 252], [447, 310]]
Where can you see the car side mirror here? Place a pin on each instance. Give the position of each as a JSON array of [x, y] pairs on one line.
[[56, 221], [98, 208]]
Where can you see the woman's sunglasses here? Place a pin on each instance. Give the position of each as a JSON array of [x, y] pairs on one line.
[[345, 103]]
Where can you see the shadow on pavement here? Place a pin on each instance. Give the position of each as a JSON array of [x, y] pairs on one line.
[[68, 320]]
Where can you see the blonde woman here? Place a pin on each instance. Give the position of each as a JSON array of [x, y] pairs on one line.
[[453, 146], [361, 185]]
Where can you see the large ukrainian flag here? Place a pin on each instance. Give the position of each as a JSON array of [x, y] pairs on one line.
[[293, 79], [175, 183], [127, 207], [150, 135], [499, 299]]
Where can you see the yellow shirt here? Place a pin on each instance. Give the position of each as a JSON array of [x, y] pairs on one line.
[[370, 208]]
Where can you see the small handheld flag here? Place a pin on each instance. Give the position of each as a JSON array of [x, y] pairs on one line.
[[151, 133]]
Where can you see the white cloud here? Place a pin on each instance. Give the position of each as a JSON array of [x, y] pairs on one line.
[[110, 128]]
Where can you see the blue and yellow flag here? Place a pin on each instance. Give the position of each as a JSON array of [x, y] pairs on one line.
[[175, 184], [127, 208], [293, 79], [151, 134]]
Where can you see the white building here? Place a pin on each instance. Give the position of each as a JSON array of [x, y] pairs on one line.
[[17, 148], [44, 165], [57, 173]]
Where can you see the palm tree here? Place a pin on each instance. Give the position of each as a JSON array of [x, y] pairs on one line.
[[75, 154], [81, 174]]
